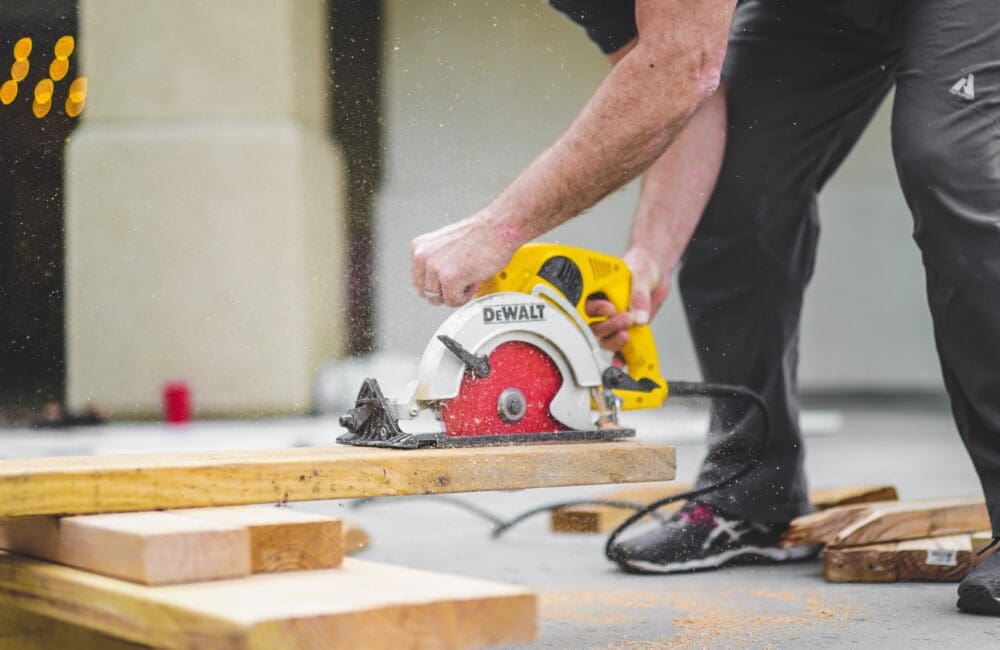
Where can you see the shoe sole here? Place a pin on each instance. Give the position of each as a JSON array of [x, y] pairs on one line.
[[746, 554], [977, 599]]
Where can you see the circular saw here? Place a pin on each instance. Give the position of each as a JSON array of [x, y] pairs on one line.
[[519, 364]]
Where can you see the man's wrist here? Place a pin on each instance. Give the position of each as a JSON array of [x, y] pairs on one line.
[[507, 230]]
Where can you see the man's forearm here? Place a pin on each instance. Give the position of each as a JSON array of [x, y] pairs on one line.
[[677, 187], [639, 109]]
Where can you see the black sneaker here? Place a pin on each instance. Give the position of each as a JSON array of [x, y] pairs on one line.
[[698, 538], [979, 592]]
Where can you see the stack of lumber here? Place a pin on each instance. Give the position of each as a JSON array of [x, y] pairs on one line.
[[929, 539], [595, 518], [154, 551]]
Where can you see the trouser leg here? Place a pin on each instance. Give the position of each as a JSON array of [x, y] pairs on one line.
[[801, 85], [946, 139]]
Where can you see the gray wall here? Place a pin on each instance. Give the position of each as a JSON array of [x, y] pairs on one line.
[[476, 90]]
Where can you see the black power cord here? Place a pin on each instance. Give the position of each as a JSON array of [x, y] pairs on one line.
[[677, 389], [698, 389]]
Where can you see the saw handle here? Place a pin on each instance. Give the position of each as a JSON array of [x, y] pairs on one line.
[[579, 274]]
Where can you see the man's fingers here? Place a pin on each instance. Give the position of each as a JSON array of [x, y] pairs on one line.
[[612, 325], [614, 342], [600, 308], [640, 305]]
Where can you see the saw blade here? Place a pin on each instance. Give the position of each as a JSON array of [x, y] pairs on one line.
[[513, 399]]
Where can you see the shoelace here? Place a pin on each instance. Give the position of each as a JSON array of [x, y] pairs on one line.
[[994, 542]]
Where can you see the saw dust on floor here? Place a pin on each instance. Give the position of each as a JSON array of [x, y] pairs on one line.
[[735, 617]]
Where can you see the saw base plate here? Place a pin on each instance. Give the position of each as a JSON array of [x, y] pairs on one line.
[[442, 440]]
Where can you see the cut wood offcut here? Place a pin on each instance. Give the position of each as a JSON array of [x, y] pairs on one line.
[[938, 559], [858, 525]]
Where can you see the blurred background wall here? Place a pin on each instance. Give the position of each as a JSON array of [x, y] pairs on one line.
[[221, 187], [474, 90]]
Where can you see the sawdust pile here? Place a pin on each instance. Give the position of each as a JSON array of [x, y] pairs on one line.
[[735, 617]]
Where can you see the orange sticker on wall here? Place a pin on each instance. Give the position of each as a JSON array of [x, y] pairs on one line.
[[19, 70], [58, 69], [22, 49], [64, 47], [41, 110], [8, 92]]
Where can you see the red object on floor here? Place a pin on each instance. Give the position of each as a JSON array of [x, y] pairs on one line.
[[176, 402]]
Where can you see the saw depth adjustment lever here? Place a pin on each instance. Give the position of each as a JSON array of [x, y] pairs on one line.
[[479, 366]]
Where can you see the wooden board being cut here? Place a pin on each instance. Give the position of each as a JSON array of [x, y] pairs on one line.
[[360, 605], [604, 519], [938, 559], [858, 525], [281, 539], [82, 485], [145, 547]]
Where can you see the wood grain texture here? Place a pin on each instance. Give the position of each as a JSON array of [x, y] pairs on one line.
[[146, 547], [937, 559], [892, 521], [82, 485], [24, 630], [281, 539], [356, 538], [604, 519], [360, 605], [826, 498]]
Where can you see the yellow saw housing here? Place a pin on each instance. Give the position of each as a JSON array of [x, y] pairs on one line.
[[579, 274]]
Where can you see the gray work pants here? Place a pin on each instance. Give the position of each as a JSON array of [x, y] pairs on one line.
[[804, 78]]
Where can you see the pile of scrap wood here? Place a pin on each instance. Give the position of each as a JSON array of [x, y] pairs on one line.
[[168, 550], [868, 534], [241, 576], [890, 541]]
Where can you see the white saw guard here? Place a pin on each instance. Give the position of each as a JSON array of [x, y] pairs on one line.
[[562, 335]]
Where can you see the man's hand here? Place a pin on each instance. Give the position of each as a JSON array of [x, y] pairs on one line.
[[650, 287], [448, 265]]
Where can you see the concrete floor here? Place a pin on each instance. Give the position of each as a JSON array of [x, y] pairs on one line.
[[587, 603], [584, 601]]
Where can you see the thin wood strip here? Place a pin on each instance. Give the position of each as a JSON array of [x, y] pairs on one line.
[[85, 485]]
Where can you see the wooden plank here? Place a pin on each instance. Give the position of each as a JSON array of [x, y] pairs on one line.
[[826, 498], [281, 539], [360, 605], [858, 525], [146, 547], [936, 559], [26, 630], [41, 486], [356, 538], [603, 519]]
